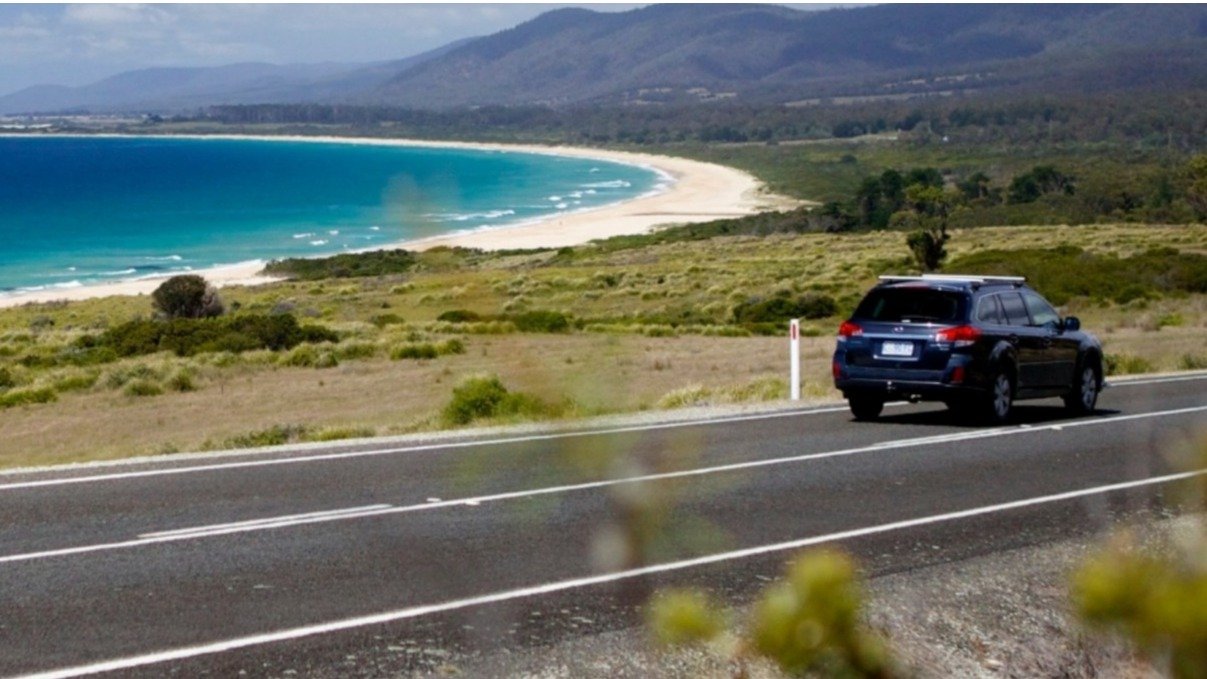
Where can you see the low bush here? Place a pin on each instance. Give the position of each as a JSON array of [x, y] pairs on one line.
[[459, 316], [190, 336], [77, 382], [782, 308], [273, 436], [120, 377], [24, 397], [351, 351], [339, 433], [1126, 364], [187, 296], [427, 350], [6, 379], [540, 321], [422, 351], [1064, 272], [142, 387], [182, 380], [1193, 362], [486, 398], [382, 320], [351, 265]]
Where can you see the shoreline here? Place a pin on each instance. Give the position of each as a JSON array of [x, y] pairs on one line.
[[696, 192]]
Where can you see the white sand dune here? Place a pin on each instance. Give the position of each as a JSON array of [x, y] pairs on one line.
[[695, 192]]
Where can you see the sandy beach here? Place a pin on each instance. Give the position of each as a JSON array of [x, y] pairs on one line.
[[695, 192]]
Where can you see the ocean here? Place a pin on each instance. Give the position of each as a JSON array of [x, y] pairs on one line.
[[78, 211]]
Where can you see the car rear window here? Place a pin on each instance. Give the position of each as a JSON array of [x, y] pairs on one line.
[[912, 305]]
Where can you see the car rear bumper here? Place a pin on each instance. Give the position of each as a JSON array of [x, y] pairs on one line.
[[906, 390]]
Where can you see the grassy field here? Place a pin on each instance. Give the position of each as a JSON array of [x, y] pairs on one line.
[[649, 328]]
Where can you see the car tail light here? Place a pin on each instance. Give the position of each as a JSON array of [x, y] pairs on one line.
[[849, 329], [836, 369], [957, 375], [961, 335]]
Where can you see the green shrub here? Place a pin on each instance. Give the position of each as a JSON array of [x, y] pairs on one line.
[[77, 382], [459, 316], [1193, 362], [351, 351], [182, 380], [6, 379], [190, 336], [23, 397], [781, 309], [485, 398], [541, 321], [1170, 321], [1064, 272], [119, 377], [187, 296], [273, 436], [1126, 364], [142, 387], [427, 350], [382, 320], [349, 265], [424, 351], [339, 433], [305, 356]]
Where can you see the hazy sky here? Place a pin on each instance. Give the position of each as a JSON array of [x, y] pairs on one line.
[[79, 44]]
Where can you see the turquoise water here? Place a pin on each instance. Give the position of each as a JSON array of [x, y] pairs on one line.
[[85, 210]]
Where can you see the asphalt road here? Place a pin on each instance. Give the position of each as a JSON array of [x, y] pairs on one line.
[[372, 560]]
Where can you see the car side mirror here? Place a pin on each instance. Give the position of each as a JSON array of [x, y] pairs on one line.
[[1071, 324]]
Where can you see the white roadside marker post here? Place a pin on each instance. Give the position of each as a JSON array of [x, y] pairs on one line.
[[794, 353]]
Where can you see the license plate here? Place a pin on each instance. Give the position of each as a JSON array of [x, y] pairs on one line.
[[897, 349]]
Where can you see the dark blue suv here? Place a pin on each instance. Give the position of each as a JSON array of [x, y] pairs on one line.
[[976, 343]]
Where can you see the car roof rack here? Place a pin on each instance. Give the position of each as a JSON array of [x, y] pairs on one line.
[[958, 278]]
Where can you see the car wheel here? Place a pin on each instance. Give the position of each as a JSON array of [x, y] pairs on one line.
[[1000, 402], [865, 407], [1084, 395]]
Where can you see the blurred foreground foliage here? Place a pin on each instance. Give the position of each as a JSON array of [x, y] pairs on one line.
[[1158, 601], [807, 624], [811, 622]]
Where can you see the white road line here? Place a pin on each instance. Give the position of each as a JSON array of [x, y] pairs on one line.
[[262, 523], [394, 451], [577, 583], [366, 512], [221, 466]]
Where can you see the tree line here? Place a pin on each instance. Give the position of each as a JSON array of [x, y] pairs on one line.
[[1155, 120]]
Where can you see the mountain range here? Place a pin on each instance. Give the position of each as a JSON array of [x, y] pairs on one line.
[[663, 53]]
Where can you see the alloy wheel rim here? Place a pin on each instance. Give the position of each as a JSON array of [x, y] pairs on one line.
[[1089, 388], [1001, 396]]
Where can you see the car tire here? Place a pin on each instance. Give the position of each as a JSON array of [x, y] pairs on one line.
[[998, 405], [1083, 396], [865, 407]]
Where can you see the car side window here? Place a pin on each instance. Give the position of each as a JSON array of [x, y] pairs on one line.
[[987, 311], [1042, 313], [1012, 306]]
